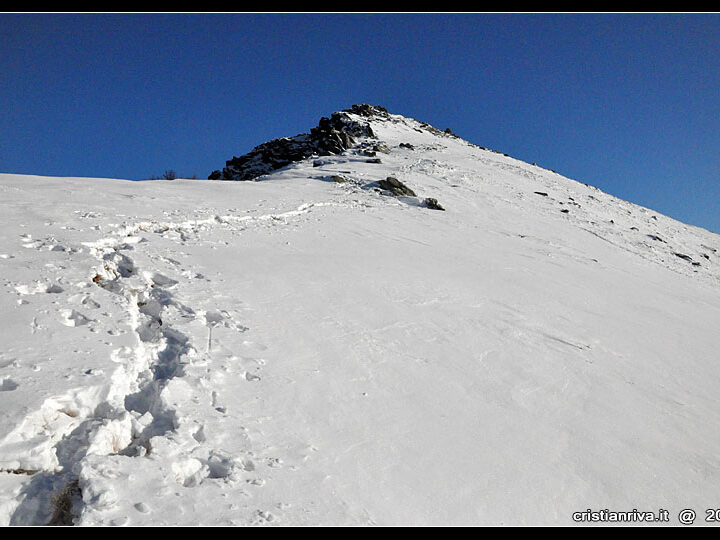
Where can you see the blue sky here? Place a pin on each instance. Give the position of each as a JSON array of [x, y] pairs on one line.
[[629, 103]]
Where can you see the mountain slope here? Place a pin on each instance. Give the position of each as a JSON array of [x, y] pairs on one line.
[[309, 349]]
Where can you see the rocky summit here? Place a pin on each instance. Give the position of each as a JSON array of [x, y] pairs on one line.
[[331, 136]]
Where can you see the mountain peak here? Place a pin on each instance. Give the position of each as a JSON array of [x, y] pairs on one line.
[[333, 135], [364, 109]]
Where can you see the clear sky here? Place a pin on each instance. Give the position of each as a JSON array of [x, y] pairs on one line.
[[629, 103]]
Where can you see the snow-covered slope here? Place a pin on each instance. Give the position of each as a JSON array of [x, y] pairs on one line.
[[310, 349]]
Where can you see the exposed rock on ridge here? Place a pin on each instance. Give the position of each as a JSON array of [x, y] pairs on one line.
[[331, 136]]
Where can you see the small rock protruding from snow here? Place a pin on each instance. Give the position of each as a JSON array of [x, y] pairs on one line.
[[396, 187], [433, 204], [683, 256]]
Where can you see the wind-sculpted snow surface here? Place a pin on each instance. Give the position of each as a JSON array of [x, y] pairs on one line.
[[315, 348]]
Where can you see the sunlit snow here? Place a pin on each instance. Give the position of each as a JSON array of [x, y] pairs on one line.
[[307, 349]]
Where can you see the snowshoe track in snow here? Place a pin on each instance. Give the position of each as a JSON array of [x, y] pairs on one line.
[[83, 432]]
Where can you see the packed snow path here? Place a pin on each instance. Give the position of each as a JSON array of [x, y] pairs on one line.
[[300, 350]]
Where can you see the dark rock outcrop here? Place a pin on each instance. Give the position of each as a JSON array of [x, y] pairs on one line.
[[369, 111], [370, 149], [331, 136], [688, 258], [396, 187], [433, 204]]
